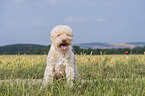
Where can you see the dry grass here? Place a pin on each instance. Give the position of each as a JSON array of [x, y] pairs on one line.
[[101, 75]]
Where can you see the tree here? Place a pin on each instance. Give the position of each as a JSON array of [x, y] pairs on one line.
[[89, 50], [39, 51], [143, 50], [31, 51], [126, 50], [76, 49], [46, 49], [106, 51], [137, 50]]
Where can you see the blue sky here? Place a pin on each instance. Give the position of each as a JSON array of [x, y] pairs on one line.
[[113, 21]]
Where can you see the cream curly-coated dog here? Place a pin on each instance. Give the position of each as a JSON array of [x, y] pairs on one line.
[[61, 60]]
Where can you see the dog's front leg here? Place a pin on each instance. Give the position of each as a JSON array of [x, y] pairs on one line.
[[48, 75], [70, 74]]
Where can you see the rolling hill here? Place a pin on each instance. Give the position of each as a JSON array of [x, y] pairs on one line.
[[20, 47], [95, 45]]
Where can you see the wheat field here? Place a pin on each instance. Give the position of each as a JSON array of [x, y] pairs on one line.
[[102, 75]]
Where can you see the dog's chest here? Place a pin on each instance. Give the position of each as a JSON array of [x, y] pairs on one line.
[[59, 67], [61, 62]]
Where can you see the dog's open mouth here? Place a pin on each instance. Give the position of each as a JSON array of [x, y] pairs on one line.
[[63, 46]]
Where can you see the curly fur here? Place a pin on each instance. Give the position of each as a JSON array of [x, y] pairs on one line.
[[61, 60]]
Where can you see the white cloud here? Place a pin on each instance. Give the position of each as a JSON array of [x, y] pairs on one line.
[[101, 20], [11, 22], [31, 23], [56, 1], [38, 23], [72, 19], [19, 1]]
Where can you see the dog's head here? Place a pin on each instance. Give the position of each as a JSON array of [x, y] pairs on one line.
[[61, 37]]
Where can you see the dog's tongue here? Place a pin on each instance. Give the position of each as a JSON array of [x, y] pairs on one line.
[[63, 47]]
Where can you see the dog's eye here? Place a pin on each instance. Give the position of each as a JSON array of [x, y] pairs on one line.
[[68, 35], [58, 35]]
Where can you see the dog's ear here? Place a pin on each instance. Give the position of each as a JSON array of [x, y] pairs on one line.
[[51, 37]]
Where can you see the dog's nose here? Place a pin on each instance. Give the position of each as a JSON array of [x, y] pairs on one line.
[[64, 40]]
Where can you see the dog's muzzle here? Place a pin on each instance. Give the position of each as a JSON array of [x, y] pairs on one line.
[[64, 44]]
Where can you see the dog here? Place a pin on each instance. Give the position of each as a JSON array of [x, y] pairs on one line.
[[61, 60]]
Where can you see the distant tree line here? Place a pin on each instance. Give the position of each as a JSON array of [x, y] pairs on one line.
[[78, 50], [39, 50], [136, 50]]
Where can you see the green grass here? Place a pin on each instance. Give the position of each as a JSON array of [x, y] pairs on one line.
[[108, 75]]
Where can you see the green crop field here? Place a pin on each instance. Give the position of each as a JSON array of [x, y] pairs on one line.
[[102, 75]]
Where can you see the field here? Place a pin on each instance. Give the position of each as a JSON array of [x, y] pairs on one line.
[[102, 75]]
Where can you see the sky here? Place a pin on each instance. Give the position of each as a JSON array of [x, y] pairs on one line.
[[112, 21]]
